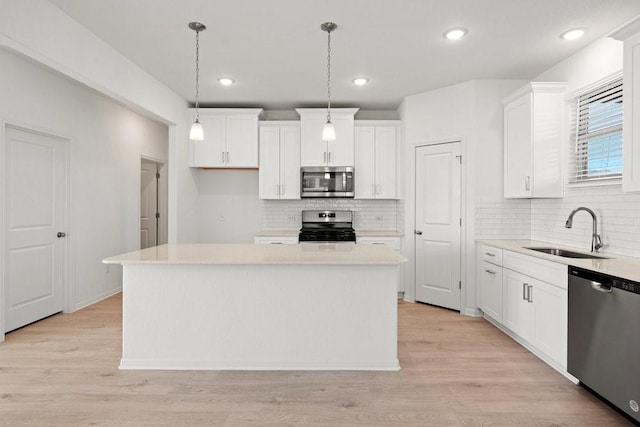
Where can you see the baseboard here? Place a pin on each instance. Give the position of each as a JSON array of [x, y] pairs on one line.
[[532, 349], [98, 298], [471, 312], [182, 365]]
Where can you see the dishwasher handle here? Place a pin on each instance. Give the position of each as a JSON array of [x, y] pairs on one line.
[[604, 288]]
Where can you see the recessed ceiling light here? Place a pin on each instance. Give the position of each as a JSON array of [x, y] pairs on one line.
[[360, 81], [455, 33], [224, 81], [576, 33]]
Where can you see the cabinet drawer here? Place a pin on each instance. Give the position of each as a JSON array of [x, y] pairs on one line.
[[546, 271], [491, 254], [276, 240], [393, 242]]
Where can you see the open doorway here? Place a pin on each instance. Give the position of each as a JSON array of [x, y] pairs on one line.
[[153, 203]]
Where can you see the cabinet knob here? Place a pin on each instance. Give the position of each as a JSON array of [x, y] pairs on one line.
[[61, 234], [418, 232]]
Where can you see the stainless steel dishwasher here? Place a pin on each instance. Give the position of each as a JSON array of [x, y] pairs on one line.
[[604, 337]]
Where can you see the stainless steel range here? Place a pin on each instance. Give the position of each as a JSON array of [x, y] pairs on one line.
[[327, 227]]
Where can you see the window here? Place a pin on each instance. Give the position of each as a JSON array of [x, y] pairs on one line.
[[597, 134]]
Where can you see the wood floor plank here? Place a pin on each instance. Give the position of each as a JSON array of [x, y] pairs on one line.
[[456, 371]]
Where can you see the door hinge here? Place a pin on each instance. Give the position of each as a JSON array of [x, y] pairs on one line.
[[157, 215], [459, 284], [460, 222], [459, 157], [157, 175]]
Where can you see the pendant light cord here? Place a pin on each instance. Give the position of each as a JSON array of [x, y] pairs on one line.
[[329, 76], [197, 73]]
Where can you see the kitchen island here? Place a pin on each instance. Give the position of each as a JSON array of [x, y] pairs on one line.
[[260, 307]]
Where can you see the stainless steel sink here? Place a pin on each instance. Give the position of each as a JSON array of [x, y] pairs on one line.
[[565, 253]]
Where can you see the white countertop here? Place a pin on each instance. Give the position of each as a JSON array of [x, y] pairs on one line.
[[361, 233], [614, 265], [239, 254]]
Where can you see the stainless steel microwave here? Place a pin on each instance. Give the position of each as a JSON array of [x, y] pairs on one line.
[[326, 181]]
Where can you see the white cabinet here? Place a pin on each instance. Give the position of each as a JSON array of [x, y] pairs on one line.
[[533, 141], [376, 159], [316, 152], [275, 240], [630, 35], [392, 242], [535, 303], [490, 291], [279, 172], [230, 138]]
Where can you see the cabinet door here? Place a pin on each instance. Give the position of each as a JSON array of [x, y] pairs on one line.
[[516, 308], [631, 124], [313, 150], [385, 161], [365, 161], [518, 158], [269, 171], [211, 151], [242, 141], [290, 162], [340, 151], [491, 290], [549, 320]]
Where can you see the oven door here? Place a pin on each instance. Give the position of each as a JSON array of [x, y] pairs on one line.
[[326, 182]]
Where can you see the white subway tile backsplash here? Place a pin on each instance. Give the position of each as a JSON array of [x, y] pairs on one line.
[[367, 214], [618, 219], [543, 219], [506, 219]]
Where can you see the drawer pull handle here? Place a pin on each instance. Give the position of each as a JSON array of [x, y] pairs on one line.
[[489, 254], [490, 271]]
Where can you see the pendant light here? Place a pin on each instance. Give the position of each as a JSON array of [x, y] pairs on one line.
[[329, 131], [197, 132]]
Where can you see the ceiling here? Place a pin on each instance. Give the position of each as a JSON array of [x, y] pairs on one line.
[[276, 52]]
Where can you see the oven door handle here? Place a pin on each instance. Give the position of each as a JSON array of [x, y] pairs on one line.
[[597, 286]]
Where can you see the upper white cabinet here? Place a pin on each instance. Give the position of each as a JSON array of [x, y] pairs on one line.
[[533, 135], [376, 159], [230, 138], [316, 152], [630, 35], [279, 173]]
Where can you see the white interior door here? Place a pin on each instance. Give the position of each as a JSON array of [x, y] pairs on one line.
[[437, 238], [148, 204], [34, 212]]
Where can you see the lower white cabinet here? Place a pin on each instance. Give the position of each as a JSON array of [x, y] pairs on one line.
[[490, 291], [275, 240], [529, 297], [537, 312], [393, 242]]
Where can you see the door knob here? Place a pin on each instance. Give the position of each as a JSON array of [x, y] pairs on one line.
[[418, 232], [61, 234]]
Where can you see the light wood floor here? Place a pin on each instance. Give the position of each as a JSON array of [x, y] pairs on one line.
[[456, 371]]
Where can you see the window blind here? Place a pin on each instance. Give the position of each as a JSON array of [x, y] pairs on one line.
[[597, 134]]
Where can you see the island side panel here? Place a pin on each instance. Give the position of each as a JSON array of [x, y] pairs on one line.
[[328, 317]]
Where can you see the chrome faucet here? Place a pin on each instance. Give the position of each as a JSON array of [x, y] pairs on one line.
[[596, 242]]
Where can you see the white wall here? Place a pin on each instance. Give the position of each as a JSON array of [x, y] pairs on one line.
[[40, 31], [106, 144], [618, 212], [228, 206], [470, 112]]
